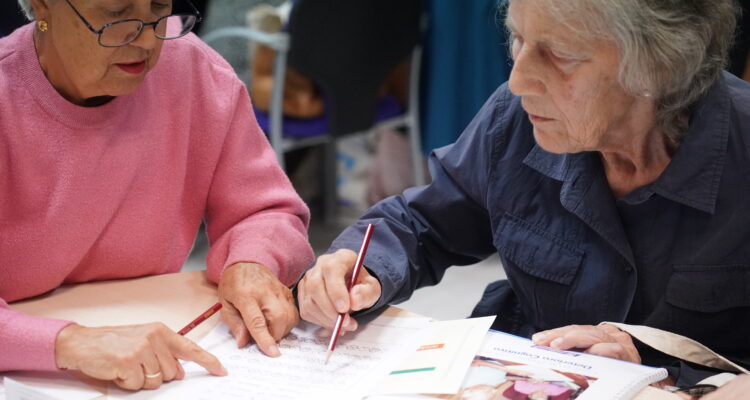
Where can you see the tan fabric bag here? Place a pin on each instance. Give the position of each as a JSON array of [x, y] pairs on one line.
[[683, 348]]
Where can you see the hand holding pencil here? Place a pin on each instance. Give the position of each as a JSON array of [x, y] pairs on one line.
[[323, 292], [358, 265]]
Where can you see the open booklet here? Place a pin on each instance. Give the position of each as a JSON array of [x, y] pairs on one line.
[[513, 368]]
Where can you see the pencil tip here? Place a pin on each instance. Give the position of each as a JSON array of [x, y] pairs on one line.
[[328, 356]]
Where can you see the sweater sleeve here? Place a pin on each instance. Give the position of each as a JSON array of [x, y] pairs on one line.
[[253, 212], [27, 342]]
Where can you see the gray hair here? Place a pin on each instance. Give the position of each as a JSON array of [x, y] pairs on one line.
[[26, 7], [671, 50]]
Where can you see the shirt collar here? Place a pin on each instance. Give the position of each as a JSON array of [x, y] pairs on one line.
[[691, 178], [555, 166], [694, 175]]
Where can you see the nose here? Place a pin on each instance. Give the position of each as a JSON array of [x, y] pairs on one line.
[[526, 77], [146, 38]]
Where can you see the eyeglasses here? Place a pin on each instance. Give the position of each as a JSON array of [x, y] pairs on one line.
[[120, 33]]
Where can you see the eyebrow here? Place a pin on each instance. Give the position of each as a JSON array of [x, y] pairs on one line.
[[106, 8], [550, 41], [114, 4]]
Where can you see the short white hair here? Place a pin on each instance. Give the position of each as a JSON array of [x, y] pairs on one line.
[[26, 7], [672, 50]]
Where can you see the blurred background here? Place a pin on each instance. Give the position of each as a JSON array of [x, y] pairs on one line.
[[353, 94]]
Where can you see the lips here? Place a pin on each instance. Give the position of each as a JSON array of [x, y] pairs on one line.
[[537, 118], [133, 68]]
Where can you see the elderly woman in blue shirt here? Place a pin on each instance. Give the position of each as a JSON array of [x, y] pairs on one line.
[[611, 173]]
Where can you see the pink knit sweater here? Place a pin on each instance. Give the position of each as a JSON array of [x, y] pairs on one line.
[[120, 190]]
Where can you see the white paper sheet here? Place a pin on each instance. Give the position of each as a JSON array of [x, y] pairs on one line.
[[358, 363], [440, 363], [46, 386]]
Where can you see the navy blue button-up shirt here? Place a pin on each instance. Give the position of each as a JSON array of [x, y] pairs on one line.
[[674, 254]]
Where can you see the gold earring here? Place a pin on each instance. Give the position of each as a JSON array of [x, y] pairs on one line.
[[43, 25]]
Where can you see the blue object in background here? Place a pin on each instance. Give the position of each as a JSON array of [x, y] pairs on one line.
[[465, 60]]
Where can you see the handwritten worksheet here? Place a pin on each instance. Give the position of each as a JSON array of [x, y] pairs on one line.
[[360, 360]]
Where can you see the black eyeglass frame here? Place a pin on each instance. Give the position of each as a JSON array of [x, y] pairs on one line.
[[196, 14]]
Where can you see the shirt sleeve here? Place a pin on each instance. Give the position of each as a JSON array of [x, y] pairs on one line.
[[422, 232], [27, 342], [253, 212]]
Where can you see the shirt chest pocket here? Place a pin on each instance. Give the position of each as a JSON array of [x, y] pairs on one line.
[[541, 268], [711, 304], [709, 289]]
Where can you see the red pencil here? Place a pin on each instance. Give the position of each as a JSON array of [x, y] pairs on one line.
[[206, 314], [355, 273]]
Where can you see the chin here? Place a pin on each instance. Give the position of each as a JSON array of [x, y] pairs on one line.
[[123, 88], [551, 143]]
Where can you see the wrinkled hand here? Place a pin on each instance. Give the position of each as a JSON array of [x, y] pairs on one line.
[[322, 292], [736, 389], [256, 304], [133, 357], [604, 340]]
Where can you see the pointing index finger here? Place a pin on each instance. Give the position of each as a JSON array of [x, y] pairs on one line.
[[185, 349], [257, 326]]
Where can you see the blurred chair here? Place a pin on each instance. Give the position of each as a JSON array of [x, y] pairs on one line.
[[347, 47]]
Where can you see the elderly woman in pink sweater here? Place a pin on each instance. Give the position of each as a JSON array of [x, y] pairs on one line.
[[114, 144]]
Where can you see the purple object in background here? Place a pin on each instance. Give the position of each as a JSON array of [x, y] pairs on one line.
[[388, 107]]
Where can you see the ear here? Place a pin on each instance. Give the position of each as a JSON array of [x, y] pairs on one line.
[[41, 9]]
